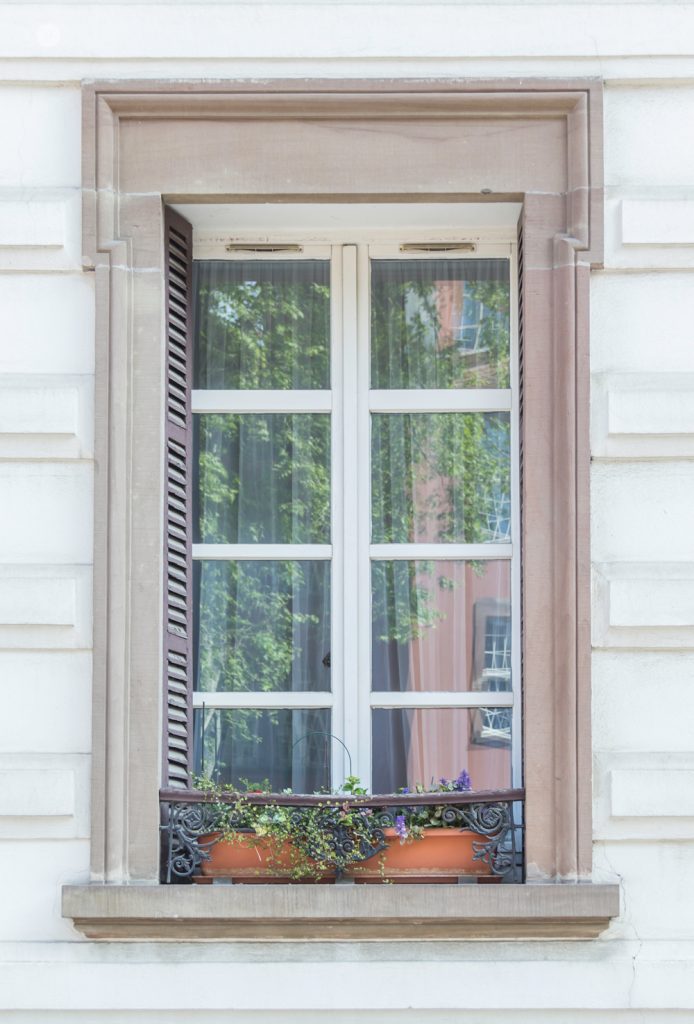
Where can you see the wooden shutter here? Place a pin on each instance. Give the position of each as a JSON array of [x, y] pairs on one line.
[[178, 575]]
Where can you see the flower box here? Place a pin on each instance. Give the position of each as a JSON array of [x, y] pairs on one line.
[[254, 859], [441, 855]]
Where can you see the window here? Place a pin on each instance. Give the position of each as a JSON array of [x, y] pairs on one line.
[[355, 498], [428, 144]]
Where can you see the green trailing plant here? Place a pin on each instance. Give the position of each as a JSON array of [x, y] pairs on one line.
[[312, 841], [302, 842]]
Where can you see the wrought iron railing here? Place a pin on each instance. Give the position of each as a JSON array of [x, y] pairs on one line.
[[189, 817]]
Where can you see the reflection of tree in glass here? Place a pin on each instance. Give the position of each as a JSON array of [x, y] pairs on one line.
[[437, 477], [433, 325], [286, 747], [403, 609], [263, 626], [266, 478], [263, 478], [262, 324]]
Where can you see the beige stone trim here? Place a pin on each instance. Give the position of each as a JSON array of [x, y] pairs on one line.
[[341, 912], [146, 142]]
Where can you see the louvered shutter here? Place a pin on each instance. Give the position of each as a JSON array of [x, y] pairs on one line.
[[178, 581]]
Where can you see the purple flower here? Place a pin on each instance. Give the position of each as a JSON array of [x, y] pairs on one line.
[[404, 789], [444, 782], [463, 782], [401, 827]]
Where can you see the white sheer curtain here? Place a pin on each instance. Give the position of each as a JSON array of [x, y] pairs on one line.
[[435, 479], [263, 478]]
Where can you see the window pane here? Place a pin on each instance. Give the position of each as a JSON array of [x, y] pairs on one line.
[[440, 323], [440, 477], [422, 745], [262, 478], [262, 626], [441, 626], [251, 747], [262, 324]]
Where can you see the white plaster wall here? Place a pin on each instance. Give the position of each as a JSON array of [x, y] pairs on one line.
[[642, 361]]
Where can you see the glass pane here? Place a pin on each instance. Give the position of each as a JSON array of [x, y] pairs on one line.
[[262, 626], [440, 323], [262, 478], [262, 324], [255, 748], [440, 477], [441, 626], [423, 745]]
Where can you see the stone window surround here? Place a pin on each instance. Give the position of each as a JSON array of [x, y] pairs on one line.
[[144, 143]]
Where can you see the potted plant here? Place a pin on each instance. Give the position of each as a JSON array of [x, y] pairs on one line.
[[268, 841], [427, 843]]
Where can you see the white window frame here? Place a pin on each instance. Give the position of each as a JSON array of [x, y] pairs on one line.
[[350, 403]]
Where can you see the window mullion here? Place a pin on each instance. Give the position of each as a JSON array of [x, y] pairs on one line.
[[363, 482], [350, 510], [516, 567]]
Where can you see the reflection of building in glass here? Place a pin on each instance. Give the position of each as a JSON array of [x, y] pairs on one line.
[[492, 670], [458, 617], [452, 315]]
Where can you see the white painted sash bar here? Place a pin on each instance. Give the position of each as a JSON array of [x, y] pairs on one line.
[[261, 401], [278, 699], [262, 552], [440, 400], [439, 552], [422, 699]]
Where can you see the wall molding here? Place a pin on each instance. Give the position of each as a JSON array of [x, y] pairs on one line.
[[658, 222], [46, 416], [642, 415], [39, 229], [45, 607], [643, 605]]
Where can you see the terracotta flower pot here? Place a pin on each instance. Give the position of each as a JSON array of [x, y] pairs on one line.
[[252, 859], [441, 855]]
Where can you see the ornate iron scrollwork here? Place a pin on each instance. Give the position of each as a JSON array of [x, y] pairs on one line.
[[185, 848], [493, 822], [190, 826], [344, 844]]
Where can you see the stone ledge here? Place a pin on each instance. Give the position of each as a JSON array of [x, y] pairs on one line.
[[141, 911]]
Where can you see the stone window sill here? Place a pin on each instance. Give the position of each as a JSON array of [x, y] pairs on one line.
[[141, 911]]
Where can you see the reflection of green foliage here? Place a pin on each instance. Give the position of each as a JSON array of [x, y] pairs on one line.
[[410, 348], [240, 743], [494, 371], [261, 479], [402, 609], [264, 478], [263, 324], [259, 621], [436, 477]]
